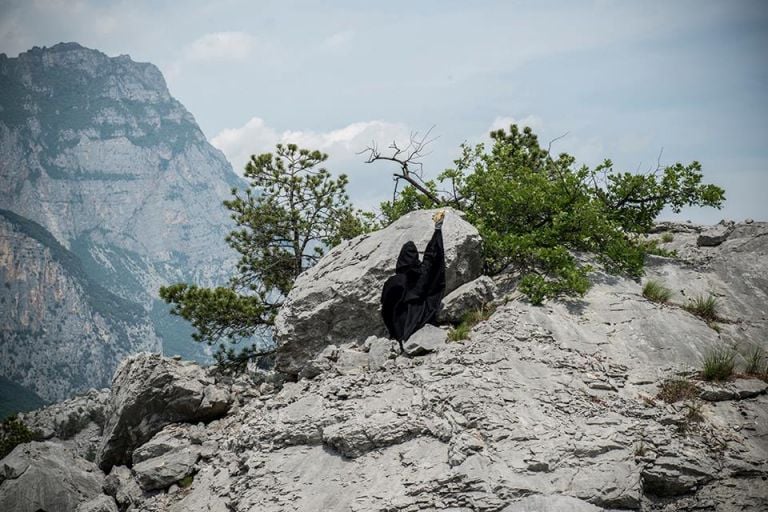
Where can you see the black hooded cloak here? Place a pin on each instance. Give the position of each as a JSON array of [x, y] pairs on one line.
[[410, 298]]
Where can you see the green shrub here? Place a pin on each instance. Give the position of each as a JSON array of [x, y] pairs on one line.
[[674, 390], [186, 481], [667, 237], [458, 333], [718, 363], [14, 432], [656, 292], [705, 308]]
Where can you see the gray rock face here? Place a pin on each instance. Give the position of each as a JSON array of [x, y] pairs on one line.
[[99, 504], [543, 408], [170, 467], [121, 485], [466, 297], [46, 476], [427, 339], [150, 392], [338, 300], [97, 152], [736, 390], [715, 235]]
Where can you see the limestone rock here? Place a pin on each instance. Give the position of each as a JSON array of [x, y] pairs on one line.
[[46, 476], [121, 485], [380, 352], [352, 361], [427, 339], [337, 301], [161, 471], [465, 298], [99, 504], [715, 235], [735, 390], [550, 503], [150, 392]]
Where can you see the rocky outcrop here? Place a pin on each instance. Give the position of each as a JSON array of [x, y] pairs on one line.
[[337, 301], [472, 295], [150, 392], [46, 476], [543, 408]]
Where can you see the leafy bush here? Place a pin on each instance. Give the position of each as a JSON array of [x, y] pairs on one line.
[[705, 308], [667, 237], [534, 210], [674, 390], [718, 363], [655, 291], [14, 432]]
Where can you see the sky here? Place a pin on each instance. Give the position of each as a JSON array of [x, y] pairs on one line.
[[637, 82]]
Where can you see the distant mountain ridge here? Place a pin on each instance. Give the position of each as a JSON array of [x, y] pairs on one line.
[[97, 154]]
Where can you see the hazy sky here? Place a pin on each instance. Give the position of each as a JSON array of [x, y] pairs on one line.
[[623, 79]]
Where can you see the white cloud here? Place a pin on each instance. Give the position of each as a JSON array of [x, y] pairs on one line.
[[505, 122], [221, 46], [368, 183], [339, 39]]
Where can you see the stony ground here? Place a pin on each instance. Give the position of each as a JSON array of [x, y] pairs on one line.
[[542, 409]]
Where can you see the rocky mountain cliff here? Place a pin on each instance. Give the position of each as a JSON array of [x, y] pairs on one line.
[[583, 405], [60, 332], [96, 151]]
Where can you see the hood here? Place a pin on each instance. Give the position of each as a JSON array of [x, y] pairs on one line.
[[408, 261]]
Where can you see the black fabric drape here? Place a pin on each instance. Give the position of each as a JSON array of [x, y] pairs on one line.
[[410, 298]]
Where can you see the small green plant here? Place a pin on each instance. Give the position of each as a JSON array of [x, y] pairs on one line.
[[14, 432], [718, 363], [674, 390], [656, 292], [640, 449], [469, 320], [705, 308], [667, 237], [458, 333], [755, 362], [652, 247], [186, 481], [693, 415]]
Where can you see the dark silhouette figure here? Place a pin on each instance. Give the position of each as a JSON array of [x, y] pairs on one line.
[[411, 298]]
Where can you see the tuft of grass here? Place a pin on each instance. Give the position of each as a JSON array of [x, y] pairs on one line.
[[652, 247], [692, 416], [656, 292], [458, 333], [718, 363], [667, 237], [705, 308], [469, 320], [755, 362], [640, 449], [674, 390], [186, 481]]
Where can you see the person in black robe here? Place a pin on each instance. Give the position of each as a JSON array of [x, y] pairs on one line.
[[411, 298]]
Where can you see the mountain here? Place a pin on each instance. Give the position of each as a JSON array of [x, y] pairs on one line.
[[60, 332], [95, 152], [587, 404]]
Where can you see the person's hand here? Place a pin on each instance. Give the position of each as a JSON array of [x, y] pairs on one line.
[[438, 218]]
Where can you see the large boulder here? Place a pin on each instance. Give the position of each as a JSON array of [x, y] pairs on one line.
[[338, 300], [149, 392], [47, 476]]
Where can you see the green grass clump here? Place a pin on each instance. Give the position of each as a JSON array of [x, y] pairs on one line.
[[14, 432], [756, 362], [674, 390], [657, 292], [667, 237], [469, 320], [718, 363], [186, 481], [705, 308]]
